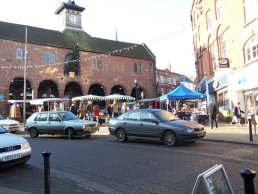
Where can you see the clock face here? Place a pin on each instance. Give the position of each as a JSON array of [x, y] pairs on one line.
[[73, 19]]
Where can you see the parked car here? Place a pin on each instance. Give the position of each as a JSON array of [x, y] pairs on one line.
[[59, 122], [155, 124], [9, 124], [14, 149]]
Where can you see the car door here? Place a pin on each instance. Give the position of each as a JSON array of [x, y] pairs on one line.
[[131, 123], [148, 127], [55, 125], [40, 122]]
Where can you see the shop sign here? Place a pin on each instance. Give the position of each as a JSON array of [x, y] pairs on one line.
[[224, 63], [215, 84], [242, 81]]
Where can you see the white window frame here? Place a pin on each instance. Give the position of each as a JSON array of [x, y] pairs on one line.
[[213, 57], [251, 49], [208, 19], [218, 9], [250, 10], [223, 50]]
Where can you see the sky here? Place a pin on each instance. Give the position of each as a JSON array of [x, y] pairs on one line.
[[163, 25]]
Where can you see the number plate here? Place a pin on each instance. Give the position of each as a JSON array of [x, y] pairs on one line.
[[12, 157]]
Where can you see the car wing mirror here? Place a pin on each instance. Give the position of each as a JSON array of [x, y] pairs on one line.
[[156, 121]]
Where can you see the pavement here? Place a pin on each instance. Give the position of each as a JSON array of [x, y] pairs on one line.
[[224, 133]]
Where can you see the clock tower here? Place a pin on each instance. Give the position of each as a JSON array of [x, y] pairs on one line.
[[70, 15]]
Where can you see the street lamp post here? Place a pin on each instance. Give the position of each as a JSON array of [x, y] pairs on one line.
[[136, 89]]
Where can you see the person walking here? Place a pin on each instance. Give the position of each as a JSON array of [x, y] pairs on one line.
[[237, 113], [115, 109], [89, 110], [213, 112]]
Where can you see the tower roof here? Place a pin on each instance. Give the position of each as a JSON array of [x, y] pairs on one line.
[[69, 5]]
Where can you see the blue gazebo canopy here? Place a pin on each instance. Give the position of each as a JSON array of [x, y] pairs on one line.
[[182, 93]]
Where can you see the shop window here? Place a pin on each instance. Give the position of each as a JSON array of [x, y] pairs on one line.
[[223, 101]]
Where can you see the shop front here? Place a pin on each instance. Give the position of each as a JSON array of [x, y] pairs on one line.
[[218, 89], [246, 87]]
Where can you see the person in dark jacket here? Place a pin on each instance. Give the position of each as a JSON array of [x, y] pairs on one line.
[[213, 112], [74, 109], [237, 113]]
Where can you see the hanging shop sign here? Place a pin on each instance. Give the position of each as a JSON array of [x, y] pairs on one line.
[[224, 63]]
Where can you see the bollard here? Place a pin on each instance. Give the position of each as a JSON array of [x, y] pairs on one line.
[[46, 156], [250, 129], [248, 176]]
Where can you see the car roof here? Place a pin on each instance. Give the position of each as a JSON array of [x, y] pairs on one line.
[[51, 111]]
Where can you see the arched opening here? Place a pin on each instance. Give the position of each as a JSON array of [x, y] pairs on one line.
[[72, 89], [117, 89], [48, 89], [98, 90], [137, 93], [16, 89]]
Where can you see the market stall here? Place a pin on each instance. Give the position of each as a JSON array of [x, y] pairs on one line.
[[183, 93]]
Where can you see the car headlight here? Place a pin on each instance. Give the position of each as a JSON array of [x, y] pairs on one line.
[[189, 130], [84, 126], [25, 145]]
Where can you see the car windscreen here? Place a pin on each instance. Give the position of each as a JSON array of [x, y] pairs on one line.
[[66, 116], [2, 117], [2, 130], [165, 116]]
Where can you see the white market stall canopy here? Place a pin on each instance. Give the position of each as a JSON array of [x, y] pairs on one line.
[[38, 101], [119, 97], [88, 97], [103, 98]]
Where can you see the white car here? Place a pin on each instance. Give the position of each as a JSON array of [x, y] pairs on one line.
[[9, 124], [14, 149]]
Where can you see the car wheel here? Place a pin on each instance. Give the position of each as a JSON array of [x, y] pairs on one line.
[[33, 132], [169, 138], [70, 133], [121, 135]]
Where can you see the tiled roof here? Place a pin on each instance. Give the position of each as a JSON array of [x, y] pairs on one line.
[[69, 38]]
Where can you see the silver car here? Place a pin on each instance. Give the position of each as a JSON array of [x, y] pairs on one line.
[[14, 149], [155, 124], [9, 124], [59, 122]]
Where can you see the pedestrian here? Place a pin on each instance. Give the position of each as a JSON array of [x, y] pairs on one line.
[[74, 109], [237, 113], [56, 107], [89, 110], [109, 110], [142, 106], [115, 109], [124, 108], [82, 113], [40, 108], [213, 113]]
